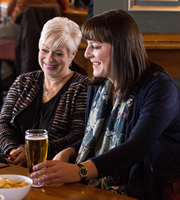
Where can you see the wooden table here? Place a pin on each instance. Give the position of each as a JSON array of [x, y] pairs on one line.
[[75, 191]]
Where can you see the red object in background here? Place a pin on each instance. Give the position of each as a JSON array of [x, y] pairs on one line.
[[7, 49]]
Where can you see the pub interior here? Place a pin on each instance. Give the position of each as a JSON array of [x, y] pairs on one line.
[[162, 45]]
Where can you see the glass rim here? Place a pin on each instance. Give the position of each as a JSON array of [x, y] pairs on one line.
[[36, 131]]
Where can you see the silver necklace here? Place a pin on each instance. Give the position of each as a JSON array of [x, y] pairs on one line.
[[46, 93]]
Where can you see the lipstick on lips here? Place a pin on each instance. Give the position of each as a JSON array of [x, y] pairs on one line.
[[50, 67]]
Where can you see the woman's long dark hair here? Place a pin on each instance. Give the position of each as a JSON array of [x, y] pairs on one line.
[[130, 63]]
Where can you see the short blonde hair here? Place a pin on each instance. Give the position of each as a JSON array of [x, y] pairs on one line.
[[61, 31]]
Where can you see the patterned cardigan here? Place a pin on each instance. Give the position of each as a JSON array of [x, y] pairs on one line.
[[67, 125]]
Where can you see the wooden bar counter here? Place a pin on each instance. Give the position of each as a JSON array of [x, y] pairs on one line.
[[75, 191]]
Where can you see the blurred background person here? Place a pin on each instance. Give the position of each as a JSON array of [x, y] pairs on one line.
[[9, 29]]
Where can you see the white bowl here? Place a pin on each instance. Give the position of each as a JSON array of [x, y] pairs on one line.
[[16, 193]]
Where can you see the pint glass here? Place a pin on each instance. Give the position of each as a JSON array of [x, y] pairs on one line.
[[36, 147]]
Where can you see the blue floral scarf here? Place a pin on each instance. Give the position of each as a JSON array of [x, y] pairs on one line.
[[105, 127]]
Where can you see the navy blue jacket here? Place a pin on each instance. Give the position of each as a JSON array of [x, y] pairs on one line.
[[151, 151]]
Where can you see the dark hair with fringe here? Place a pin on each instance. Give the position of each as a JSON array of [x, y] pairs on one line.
[[130, 63]]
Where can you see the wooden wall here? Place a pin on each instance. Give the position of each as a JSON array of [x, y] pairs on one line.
[[163, 49]]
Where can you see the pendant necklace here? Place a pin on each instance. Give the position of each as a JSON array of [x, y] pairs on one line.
[[46, 93]]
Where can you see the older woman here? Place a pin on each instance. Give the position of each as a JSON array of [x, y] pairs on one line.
[[53, 98], [132, 137]]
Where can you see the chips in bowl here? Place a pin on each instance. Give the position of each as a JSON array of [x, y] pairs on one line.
[[14, 187]]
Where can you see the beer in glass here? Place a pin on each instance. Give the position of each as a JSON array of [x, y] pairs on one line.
[[36, 147]]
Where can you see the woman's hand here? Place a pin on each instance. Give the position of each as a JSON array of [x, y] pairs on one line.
[[17, 157], [55, 171]]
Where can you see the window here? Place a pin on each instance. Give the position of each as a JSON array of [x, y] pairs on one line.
[[154, 5]]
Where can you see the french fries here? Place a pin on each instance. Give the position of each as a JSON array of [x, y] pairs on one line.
[[8, 183]]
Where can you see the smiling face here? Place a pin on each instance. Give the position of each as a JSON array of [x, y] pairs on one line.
[[54, 61], [100, 56]]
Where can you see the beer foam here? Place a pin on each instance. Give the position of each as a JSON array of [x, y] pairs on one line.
[[28, 137]]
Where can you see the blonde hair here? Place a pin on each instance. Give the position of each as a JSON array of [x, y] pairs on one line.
[[61, 31]]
